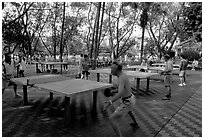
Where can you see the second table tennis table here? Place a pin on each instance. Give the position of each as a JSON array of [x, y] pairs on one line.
[[135, 74]]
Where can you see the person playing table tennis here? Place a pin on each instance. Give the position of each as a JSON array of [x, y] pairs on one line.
[[127, 99], [7, 75]]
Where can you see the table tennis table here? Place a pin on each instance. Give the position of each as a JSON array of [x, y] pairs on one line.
[[67, 87], [135, 74], [163, 65], [51, 64], [150, 68], [174, 65]]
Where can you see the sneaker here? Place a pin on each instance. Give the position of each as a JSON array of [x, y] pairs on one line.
[[17, 96], [180, 84], [184, 84]]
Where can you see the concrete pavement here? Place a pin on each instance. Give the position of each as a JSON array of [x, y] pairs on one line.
[[179, 117]]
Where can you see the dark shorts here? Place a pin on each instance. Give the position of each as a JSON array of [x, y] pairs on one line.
[[21, 71], [7, 82], [85, 73]]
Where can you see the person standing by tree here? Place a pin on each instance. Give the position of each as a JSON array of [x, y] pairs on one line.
[[65, 61], [182, 74], [80, 65], [127, 99], [22, 66], [85, 67]]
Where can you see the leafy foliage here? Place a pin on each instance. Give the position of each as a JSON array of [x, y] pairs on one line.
[[192, 15], [190, 55], [13, 33]]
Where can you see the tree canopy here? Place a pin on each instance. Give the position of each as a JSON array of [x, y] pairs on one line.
[[95, 27]]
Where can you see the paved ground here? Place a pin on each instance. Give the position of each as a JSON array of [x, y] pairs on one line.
[[179, 117]]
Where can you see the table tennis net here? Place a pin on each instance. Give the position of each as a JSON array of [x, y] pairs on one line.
[[46, 79]]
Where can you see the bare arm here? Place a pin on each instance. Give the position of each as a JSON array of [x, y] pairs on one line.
[[120, 90], [118, 95]]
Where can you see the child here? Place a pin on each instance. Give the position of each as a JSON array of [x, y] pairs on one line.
[[167, 76], [182, 74]]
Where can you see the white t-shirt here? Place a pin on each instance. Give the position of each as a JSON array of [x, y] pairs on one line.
[[9, 68], [22, 65]]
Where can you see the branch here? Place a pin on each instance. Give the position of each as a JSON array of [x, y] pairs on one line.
[[46, 46], [5, 25]]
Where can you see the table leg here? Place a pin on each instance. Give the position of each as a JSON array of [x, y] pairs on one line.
[[46, 67], [94, 100], [61, 68], [138, 84], [147, 89], [36, 67], [51, 96], [25, 95], [67, 111], [110, 78], [17, 68], [42, 67], [98, 77]]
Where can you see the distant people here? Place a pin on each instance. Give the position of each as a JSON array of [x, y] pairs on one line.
[[144, 63], [127, 99], [167, 76], [29, 59], [150, 60], [104, 62], [22, 66], [79, 70], [182, 74], [74, 60], [194, 65], [65, 62], [85, 67], [7, 75]]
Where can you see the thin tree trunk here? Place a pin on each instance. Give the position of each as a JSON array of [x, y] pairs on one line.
[[101, 25], [111, 34], [96, 36], [61, 41], [142, 45]]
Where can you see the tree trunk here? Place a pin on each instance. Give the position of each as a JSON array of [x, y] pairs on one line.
[[142, 44], [96, 36], [93, 38], [61, 41], [111, 34], [101, 25], [55, 38]]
